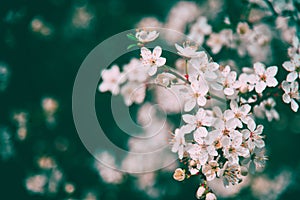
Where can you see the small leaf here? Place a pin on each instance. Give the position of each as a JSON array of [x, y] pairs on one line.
[[132, 37], [132, 45]]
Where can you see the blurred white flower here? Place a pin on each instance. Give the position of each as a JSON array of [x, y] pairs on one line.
[[217, 40], [112, 78], [243, 28], [134, 71], [36, 183], [187, 50], [199, 29], [201, 65], [133, 92], [178, 141], [144, 36], [108, 174], [291, 94], [293, 67], [266, 109]]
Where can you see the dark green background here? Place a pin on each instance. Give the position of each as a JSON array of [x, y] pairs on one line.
[[47, 67]]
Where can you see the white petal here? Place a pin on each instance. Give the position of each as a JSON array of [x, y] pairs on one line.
[[152, 70], [228, 114], [259, 143], [190, 119], [288, 66], [179, 48], [260, 87], [229, 91], [187, 128], [259, 68], [286, 98], [225, 141], [180, 152], [160, 61], [286, 86], [146, 53], [294, 105], [259, 129], [246, 133], [216, 86], [271, 82], [292, 76], [214, 134], [201, 131], [233, 105], [189, 104], [251, 125], [231, 77], [272, 71], [212, 66], [210, 75], [245, 109], [201, 101], [157, 52]]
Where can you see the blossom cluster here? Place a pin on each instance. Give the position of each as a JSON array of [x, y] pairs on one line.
[[220, 137]]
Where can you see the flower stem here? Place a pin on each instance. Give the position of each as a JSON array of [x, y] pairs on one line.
[[175, 73], [216, 97]]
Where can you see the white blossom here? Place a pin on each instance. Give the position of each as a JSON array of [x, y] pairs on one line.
[[217, 41], [253, 134], [134, 71], [133, 92], [291, 94], [293, 67], [238, 114], [211, 169], [144, 36], [264, 77], [187, 51], [196, 94], [178, 141], [228, 80], [201, 65], [199, 29], [198, 122], [152, 60], [266, 109], [112, 78]]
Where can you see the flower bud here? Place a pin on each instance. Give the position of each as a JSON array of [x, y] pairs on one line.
[[179, 174], [200, 192], [210, 196]]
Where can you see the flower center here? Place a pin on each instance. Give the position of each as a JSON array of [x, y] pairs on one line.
[[263, 77], [198, 124], [226, 132]]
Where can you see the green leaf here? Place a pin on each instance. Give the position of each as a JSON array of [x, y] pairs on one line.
[[132, 37], [132, 45]]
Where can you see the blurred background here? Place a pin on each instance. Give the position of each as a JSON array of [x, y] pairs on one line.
[[43, 44]]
